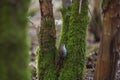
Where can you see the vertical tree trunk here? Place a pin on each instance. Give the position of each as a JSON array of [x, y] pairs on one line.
[[95, 25], [66, 7], [108, 53], [76, 44], [47, 36], [65, 19], [13, 40]]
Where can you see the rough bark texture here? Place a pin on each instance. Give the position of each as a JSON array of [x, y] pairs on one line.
[[95, 25], [65, 18], [64, 33], [75, 60], [47, 36], [110, 43], [14, 46]]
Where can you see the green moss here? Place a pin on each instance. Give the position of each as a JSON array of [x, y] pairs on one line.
[[65, 25], [64, 32], [46, 59], [14, 46], [76, 43]]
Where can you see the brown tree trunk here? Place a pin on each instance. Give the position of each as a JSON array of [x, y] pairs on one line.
[[110, 43], [47, 38]]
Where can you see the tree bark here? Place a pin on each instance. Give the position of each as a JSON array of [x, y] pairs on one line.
[[47, 37], [14, 48], [110, 43], [74, 63], [66, 9]]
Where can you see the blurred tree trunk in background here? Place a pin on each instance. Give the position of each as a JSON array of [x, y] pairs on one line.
[[14, 46], [75, 41], [47, 36], [95, 25], [110, 42]]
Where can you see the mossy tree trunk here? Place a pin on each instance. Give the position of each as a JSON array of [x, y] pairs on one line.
[[66, 7], [74, 63], [14, 47], [65, 19], [47, 36], [110, 42]]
